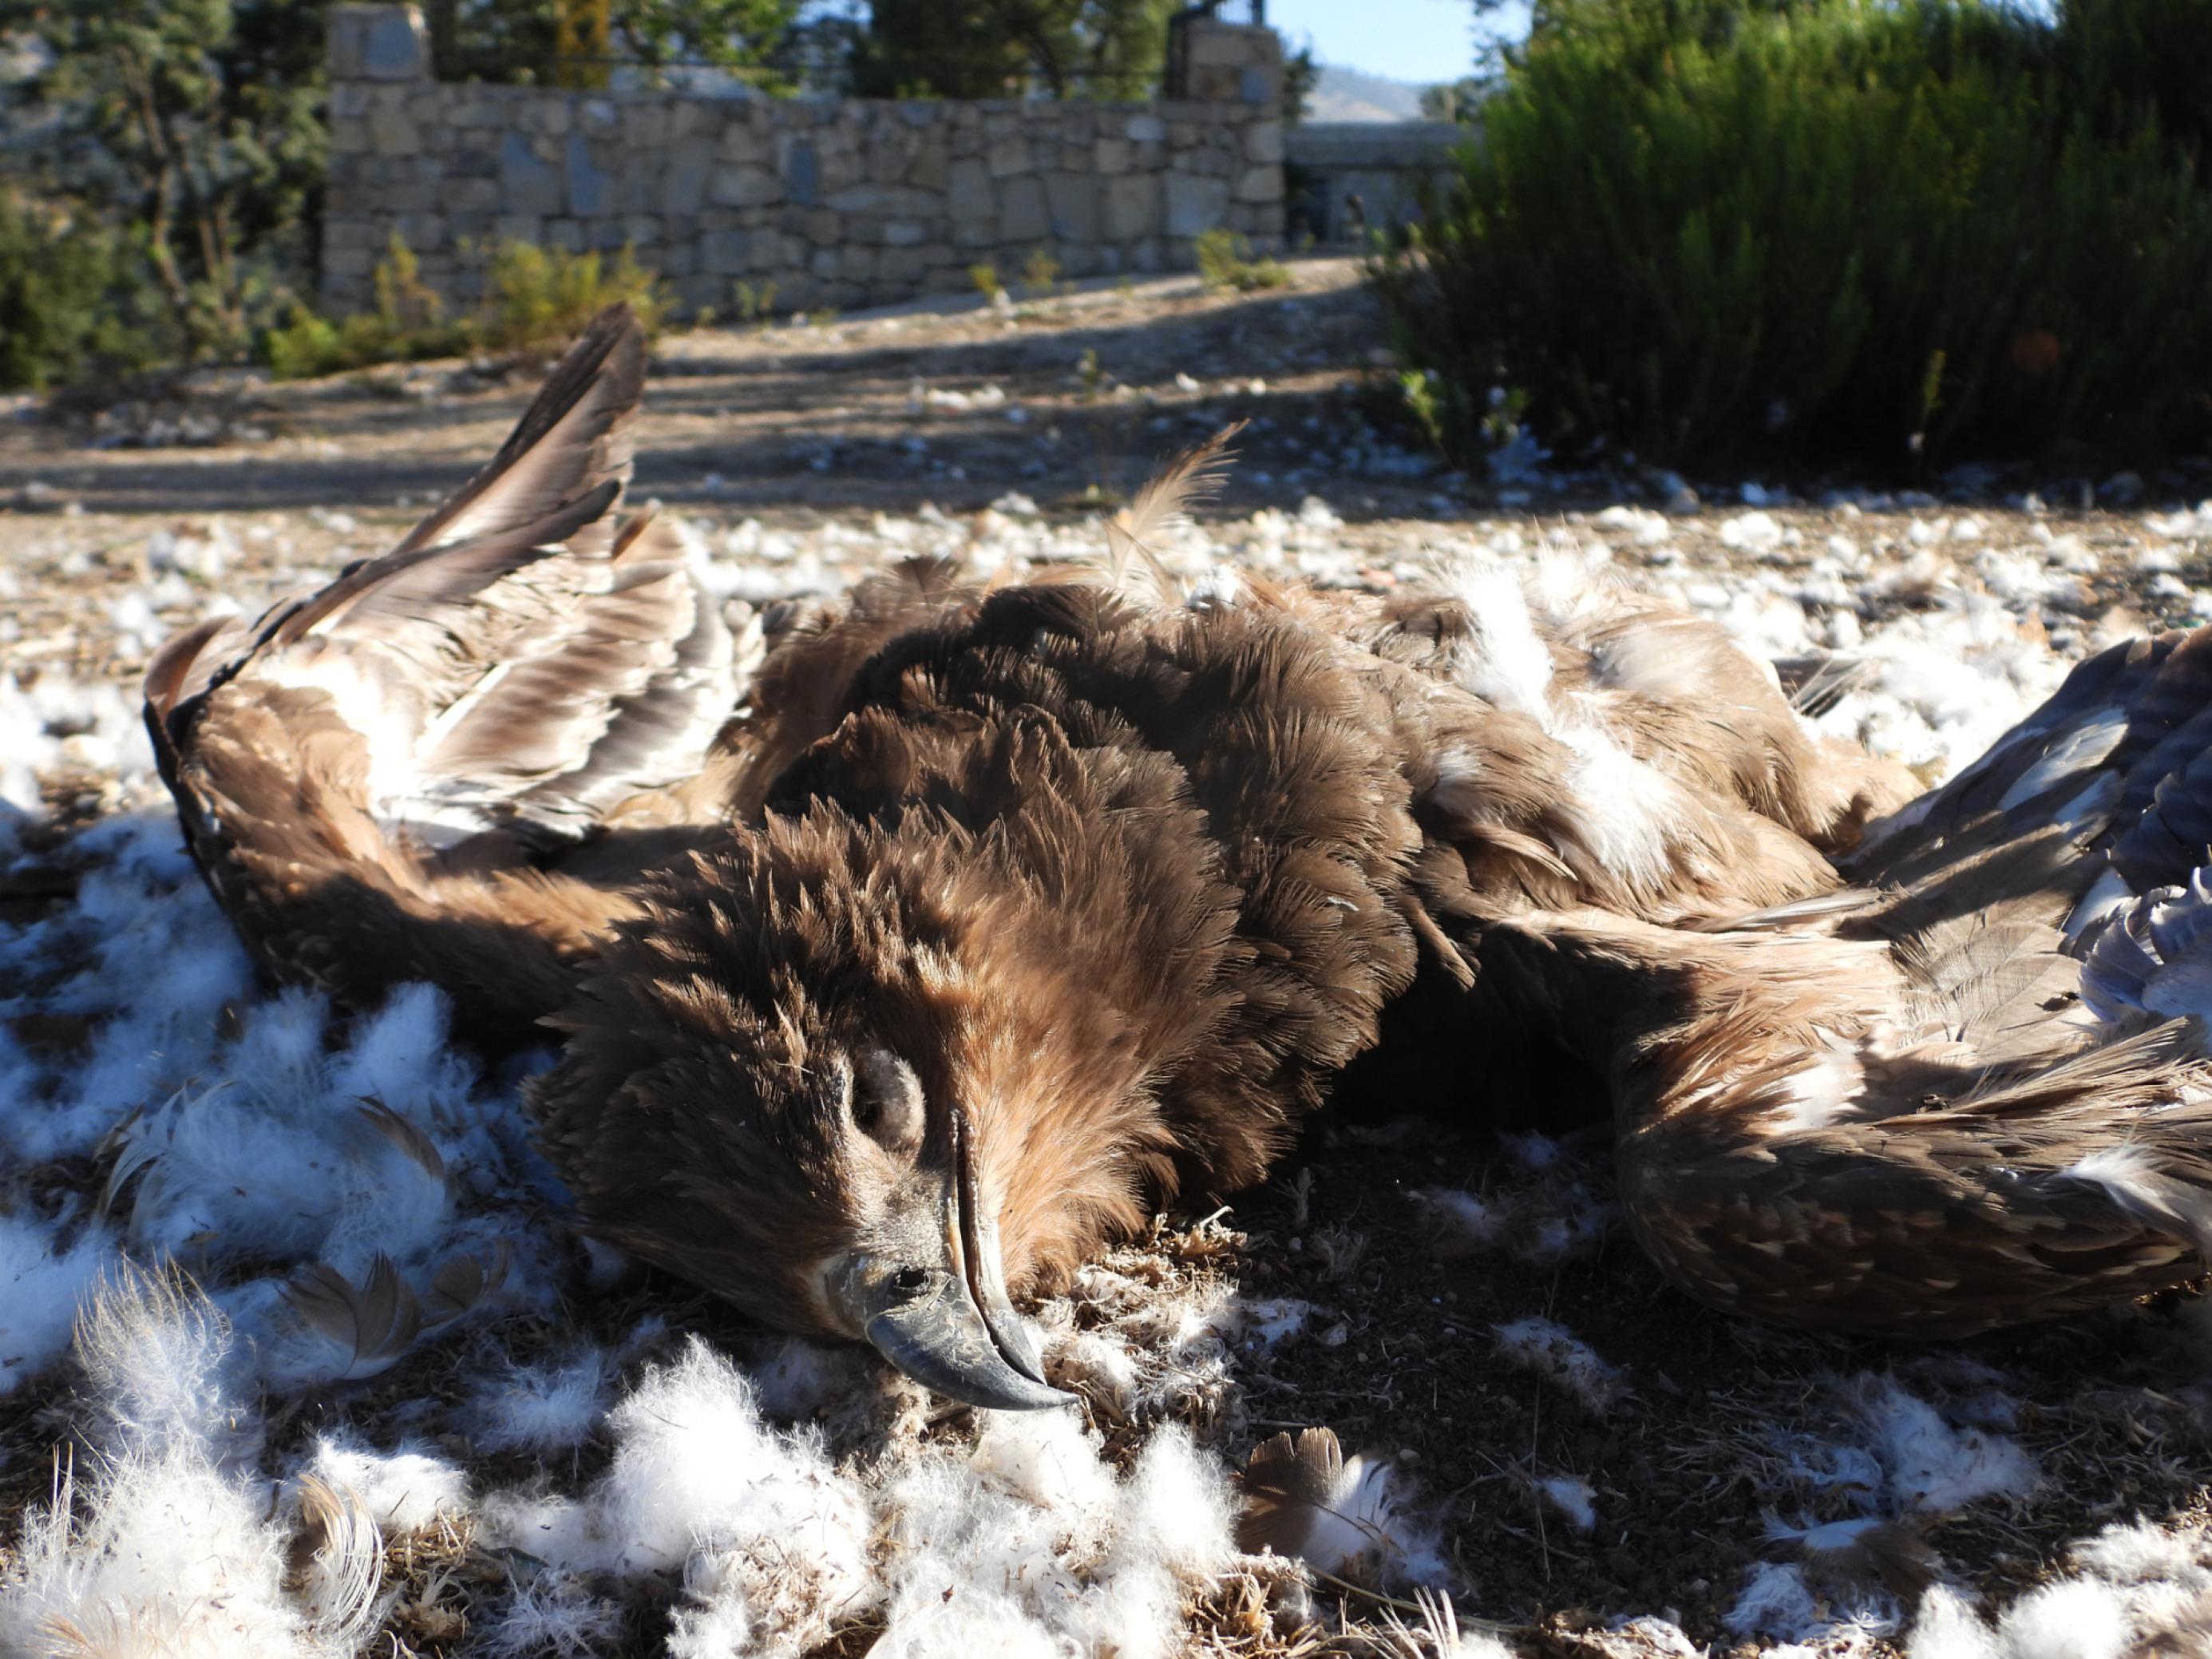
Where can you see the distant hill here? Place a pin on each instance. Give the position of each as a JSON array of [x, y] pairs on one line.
[[1347, 95]]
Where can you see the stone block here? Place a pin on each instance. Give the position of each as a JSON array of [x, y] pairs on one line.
[[414, 196], [684, 171], [1260, 184], [351, 231], [1111, 155], [1196, 204], [970, 196], [745, 187], [378, 43], [884, 199], [564, 233], [930, 165], [855, 264], [822, 227], [527, 185], [800, 163], [591, 192], [1022, 216], [1263, 142], [472, 195], [1131, 207], [641, 229], [722, 252], [904, 232], [1147, 128], [473, 162], [839, 170], [1073, 201], [900, 267], [391, 132], [888, 157], [1008, 156], [520, 227], [645, 125]]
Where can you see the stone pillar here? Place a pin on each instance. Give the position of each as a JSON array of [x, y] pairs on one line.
[[380, 59], [1229, 62], [1238, 69], [378, 43]]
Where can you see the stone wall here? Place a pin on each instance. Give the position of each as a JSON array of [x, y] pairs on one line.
[[830, 202], [1349, 177]]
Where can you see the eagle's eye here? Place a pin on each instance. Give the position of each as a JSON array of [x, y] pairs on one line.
[[887, 1104]]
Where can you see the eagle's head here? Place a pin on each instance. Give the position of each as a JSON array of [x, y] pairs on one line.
[[866, 1081]]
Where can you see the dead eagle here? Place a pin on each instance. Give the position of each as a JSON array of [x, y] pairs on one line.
[[992, 916]]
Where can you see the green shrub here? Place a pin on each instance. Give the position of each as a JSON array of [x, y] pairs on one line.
[[408, 324], [1040, 271], [539, 299], [1224, 260], [536, 300], [1852, 230], [75, 299]]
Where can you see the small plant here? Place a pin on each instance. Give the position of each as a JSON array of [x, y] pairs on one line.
[[536, 301], [540, 298], [1226, 261], [1418, 392], [409, 323], [1091, 373], [1040, 271], [756, 304], [985, 275]]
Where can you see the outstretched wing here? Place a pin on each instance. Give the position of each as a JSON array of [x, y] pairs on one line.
[[523, 659], [375, 776]]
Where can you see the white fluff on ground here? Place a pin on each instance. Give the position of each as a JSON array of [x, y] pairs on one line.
[[175, 1532]]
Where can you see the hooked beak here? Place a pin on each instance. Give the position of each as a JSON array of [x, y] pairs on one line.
[[935, 1303]]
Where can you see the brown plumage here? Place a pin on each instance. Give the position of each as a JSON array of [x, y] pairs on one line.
[[990, 918]]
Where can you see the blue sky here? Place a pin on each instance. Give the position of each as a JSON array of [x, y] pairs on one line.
[[1422, 40]]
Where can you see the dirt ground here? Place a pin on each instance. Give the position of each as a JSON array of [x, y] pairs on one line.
[[1061, 403], [1066, 401]]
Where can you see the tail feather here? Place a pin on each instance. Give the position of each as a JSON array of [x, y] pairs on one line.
[[2154, 956], [2111, 779], [2174, 833]]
